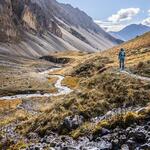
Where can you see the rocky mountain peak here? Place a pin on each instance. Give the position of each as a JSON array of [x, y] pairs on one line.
[[46, 21]]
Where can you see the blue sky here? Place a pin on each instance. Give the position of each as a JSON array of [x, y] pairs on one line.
[[114, 14]]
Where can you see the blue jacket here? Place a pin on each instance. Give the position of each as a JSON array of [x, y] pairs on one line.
[[122, 55]]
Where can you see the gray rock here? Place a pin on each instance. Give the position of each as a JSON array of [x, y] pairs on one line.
[[32, 136], [146, 146], [104, 131], [131, 144], [107, 137], [140, 137], [72, 122], [124, 147]]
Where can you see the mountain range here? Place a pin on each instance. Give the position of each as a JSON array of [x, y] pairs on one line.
[[38, 27], [131, 32]]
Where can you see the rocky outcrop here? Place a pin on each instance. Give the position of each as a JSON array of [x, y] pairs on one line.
[[7, 26], [29, 19], [56, 59], [55, 29], [17, 16], [71, 122]]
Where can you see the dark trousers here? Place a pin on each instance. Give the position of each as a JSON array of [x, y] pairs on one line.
[[122, 65]]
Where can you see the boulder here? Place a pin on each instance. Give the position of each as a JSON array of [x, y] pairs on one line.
[[72, 122], [124, 147], [146, 146], [32, 136], [139, 136], [131, 144], [104, 131]]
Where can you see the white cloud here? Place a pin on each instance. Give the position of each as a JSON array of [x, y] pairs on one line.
[[124, 14], [149, 11], [146, 21], [109, 26]]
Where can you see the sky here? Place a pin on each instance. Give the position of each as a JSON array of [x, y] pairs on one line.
[[113, 15]]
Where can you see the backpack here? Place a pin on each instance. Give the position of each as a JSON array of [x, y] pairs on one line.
[[122, 55]]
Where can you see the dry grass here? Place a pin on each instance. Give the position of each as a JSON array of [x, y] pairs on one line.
[[94, 99], [137, 50], [13, 116], [76, 57], [52, 88], [98, 91], [142, 68], [19, 75], [71, 82], [6, 105]]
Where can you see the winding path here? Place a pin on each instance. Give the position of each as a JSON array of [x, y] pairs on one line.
[[62, 90], [136, 76]]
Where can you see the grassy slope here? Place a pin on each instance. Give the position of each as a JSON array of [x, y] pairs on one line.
[[20, 75], [137, 50], [98, 94], [100, 89]]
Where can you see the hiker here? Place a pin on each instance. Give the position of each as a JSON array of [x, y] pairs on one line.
[[121, 58]]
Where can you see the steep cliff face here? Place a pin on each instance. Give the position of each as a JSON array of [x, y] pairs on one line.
[[29, 19], [7, 26], [23, 14]]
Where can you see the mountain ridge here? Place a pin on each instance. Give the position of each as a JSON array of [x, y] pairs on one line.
[[36, 27], [131, 31]]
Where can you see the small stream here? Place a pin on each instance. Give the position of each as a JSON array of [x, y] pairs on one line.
[[62, 90]]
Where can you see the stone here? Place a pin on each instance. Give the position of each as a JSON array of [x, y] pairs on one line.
[[72, 122], [124, 147], [148, 123], [105, 145], [104, 131], [146, 146], [140, 137], [115, 144], [32, 136], [146, 127], [107, 137], [122, 139], [131, 144]]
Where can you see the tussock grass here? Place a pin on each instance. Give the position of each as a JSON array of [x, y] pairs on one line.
[[142, 68], [100, 89], [13, 116], [99, 94], [71, 82], [6, 105]]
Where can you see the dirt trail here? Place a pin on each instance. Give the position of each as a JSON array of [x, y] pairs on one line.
[[136, 76]]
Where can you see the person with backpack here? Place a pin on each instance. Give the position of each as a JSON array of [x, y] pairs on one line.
[[121, 58]]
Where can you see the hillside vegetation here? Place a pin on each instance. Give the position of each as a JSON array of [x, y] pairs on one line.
[[137, 50], [100, 89], [106, 105]]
